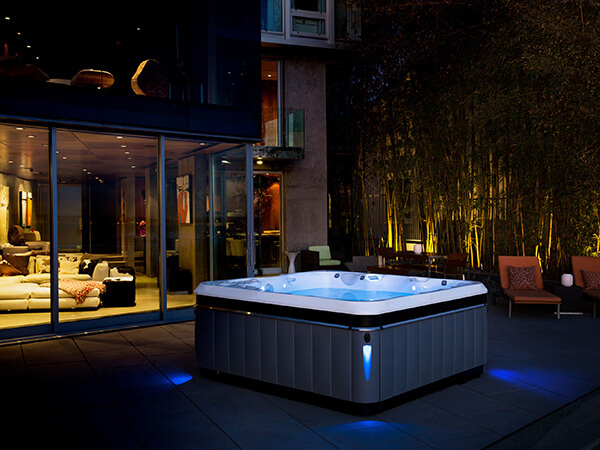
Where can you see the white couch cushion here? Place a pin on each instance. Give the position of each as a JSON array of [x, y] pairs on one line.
[[45, 277], [44, 292], [11, 280], [17, 290]]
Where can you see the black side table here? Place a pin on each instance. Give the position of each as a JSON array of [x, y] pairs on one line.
[[572, 299]]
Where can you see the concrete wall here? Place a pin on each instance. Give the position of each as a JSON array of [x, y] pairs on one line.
[[306, 180]]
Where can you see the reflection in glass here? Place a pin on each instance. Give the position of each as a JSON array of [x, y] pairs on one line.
[[267, 222], [24, 224], [108, 234], [187, 220], [229, 214]]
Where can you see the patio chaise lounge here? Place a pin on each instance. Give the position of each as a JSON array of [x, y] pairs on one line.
[[586, 274], [521, 281]]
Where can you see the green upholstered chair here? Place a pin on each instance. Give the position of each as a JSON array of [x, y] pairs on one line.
[[318, 257]]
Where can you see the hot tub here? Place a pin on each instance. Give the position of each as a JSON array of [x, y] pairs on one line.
[[359, 342]]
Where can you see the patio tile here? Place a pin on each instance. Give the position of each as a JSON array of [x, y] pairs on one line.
[[153, 401], [191, 430], [138, 376], [503, 422], [51, 352], [493, 382], [11, 361], [429, 423], [469, 443], [155, 341], [238, 406], [555, 382], [462, 401], [536, 401], [311, 416], [102, 342], [287, 433], [370, 434], [125, 357]]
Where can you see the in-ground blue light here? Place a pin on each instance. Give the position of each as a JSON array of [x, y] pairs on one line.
[[180, 378], [367, 350]]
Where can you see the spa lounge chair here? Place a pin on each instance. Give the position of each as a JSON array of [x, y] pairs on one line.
[[521, 281], [586, 274], [318, 257]]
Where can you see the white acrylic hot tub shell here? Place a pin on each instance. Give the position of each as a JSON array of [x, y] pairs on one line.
[[428, 291]]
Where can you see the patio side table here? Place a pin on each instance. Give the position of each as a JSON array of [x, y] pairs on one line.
[[572, 299]]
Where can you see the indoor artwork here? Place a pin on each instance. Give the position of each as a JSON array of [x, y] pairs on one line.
[[184, 201]]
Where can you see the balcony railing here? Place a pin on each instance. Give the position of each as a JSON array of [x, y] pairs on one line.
[[283, 134]]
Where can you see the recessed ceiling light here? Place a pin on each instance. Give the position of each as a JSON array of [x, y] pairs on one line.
[[133, 167], [124, 146], [119, 137], [64, 157], [11, 161], [31, 136], [19, 128], [127, 153]]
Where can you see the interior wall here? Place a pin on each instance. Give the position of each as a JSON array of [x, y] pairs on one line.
[[10, 186], [193, 237]]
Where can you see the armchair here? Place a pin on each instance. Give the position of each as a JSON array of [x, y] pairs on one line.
[[318, 257]]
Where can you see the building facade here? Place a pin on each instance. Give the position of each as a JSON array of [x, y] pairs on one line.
[[303, 49], [125, 158], [133, 154]]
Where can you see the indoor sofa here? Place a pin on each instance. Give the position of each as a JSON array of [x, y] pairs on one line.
[[25, 281]]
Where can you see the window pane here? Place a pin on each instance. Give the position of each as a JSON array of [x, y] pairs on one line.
[[108, 216], [24, 223], [306, 25], [270, 103], [270, 15], [309, 5], [187, 220]]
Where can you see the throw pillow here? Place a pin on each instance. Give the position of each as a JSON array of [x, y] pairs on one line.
[[88, 265], [8, 270], [521, 277], [19, 262], [591, 279], [42, 264], [68, 267]]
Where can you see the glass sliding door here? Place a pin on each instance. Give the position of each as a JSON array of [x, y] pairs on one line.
[[24, 225], [267, 222], [229, 214], [187, 220], [108, 224]]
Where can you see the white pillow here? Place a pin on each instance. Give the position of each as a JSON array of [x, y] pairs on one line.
[[42, 264], [68, 267], [100, 271]]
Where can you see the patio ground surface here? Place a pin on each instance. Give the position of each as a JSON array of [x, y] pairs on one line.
[[141, 389]]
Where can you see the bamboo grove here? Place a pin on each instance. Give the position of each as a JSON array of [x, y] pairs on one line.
[[481, 121]]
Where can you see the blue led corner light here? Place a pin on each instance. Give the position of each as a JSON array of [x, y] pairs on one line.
[[367, 350]]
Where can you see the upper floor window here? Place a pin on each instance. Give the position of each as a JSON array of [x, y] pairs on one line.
[[302, 18], [271, 15], [309, 18]]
